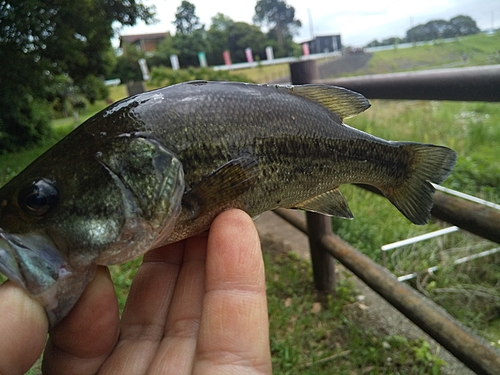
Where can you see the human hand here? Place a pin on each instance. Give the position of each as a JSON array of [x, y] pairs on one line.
[[195, 307]]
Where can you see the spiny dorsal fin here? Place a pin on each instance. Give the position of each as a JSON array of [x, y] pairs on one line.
[[345, 103], [331, 203]]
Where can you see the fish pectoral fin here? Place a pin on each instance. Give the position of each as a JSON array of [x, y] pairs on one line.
[[331, 203], [221, 186], [343, 102]]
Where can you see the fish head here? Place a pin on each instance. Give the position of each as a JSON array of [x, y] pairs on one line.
[[75, 208]]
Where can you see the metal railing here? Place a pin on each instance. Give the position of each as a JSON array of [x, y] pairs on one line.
[[468, 84], [472, 350], [439, 233], [479, 83]]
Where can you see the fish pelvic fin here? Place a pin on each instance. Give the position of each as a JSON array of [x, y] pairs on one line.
[[343, 102], [331, 203], [414, 196]]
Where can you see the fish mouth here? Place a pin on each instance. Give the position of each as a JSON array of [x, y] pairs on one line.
[[33, 262]]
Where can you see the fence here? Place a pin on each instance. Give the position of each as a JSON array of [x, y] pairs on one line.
[[468, 84], [439, 233]]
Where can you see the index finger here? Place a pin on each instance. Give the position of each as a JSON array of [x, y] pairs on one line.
[[234, 330]]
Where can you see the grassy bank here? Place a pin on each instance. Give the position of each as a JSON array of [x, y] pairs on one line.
[[472, 50], [264, 73]]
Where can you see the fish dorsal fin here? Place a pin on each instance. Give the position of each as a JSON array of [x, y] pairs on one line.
[[345, 103], [331, 203]]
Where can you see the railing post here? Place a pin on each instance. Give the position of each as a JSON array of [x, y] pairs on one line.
[[323, 263], [302, 72], [134, 88]]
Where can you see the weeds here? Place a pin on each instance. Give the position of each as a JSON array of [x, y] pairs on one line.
[[163, 76], [312, 337]]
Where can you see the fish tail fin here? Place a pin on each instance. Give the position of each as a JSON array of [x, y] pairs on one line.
[[414, 196]]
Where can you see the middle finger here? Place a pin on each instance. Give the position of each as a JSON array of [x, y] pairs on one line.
[[144, 315], [177, 349]]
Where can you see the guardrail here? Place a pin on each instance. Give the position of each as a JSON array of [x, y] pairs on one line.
[[469, 348], [281, 60], [478, 83], [468, 84]]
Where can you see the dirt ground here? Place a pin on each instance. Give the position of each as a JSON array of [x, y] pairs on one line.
[[379, 312]]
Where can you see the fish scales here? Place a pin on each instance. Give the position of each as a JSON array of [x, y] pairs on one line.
[[158, 167], [295, 139]]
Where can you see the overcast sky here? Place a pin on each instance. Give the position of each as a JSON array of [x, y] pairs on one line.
[[358, 21]]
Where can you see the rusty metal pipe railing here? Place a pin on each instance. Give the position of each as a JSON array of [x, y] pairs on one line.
[[323, 263], [479, 83], [472, 350]]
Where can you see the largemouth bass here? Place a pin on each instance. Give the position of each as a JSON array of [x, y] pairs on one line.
[[159, 166]]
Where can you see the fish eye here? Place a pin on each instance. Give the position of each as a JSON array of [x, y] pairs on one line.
[[38, 198]]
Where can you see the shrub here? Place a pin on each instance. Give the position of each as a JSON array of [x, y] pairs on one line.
[[163, 76], [25, 124]]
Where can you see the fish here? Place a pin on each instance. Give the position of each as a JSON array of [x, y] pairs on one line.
[[158, 167]]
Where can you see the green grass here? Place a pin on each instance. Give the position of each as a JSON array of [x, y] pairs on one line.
[[480, 49], [312, 337], [117, 92]]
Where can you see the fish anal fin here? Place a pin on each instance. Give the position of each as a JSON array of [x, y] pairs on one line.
[[221, 186], [343, 102], [331, 203]]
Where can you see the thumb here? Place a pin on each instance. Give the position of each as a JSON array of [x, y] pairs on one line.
[[23, 329]]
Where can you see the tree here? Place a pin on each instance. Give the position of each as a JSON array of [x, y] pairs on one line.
[[161, 56], [242, 36], [127, 68], [463, 25], [279, 18], [218, 38], [436, 29], [189, 45], [186, 21], [39, 39], [190, 37]]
